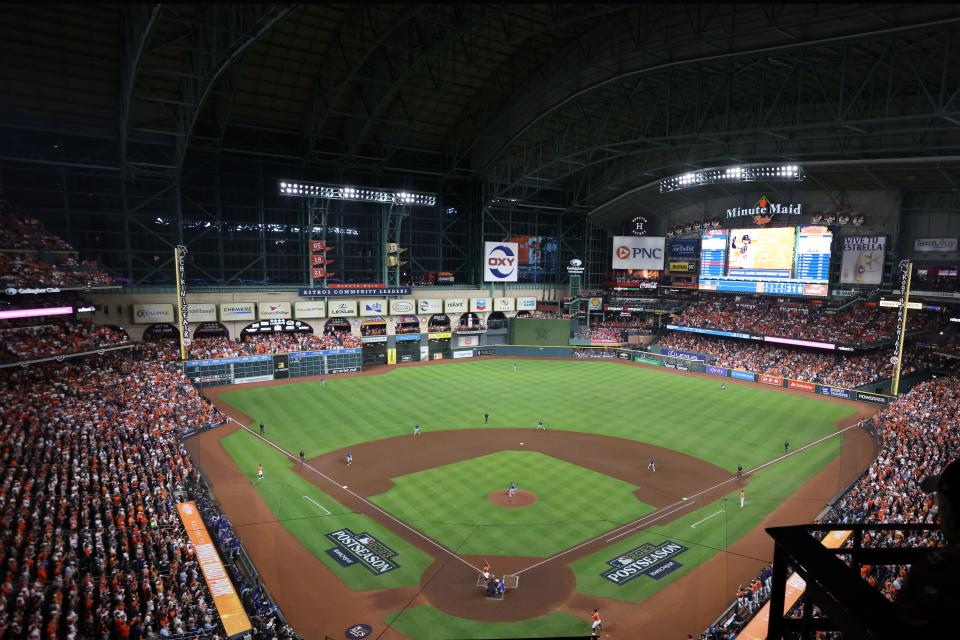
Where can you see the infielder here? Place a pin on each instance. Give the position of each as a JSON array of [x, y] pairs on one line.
[[511, 491], [416, 429], [651, 466], [260, 472], [743, 496], [486, 418], [540, 426], [349, 458], [597, 624]]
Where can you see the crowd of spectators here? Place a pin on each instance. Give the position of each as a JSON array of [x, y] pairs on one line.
[[266, 343], [601, 334], [917, 436], [56, 339], [544, 315], [860, 323], [90, 542], [826, 367], [31, 256]]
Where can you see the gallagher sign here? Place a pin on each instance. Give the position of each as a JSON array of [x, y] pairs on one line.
[[500, 261], [353, 548], [630, 252], [653, 560]]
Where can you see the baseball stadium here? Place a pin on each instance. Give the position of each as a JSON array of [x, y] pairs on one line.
[[479, 321]]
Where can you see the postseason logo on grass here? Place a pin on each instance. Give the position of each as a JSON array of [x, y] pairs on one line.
[[363, 548], [653, 560]]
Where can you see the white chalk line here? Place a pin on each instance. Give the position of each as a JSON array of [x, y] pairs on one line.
[[355, 495], [687, 501], [317, 503], [694, 525]]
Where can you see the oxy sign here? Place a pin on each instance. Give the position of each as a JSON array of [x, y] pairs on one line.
[[500, 261]]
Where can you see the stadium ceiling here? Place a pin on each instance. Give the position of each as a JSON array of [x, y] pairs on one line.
[[575, 106]]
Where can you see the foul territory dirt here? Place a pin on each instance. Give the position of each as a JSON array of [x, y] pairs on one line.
[[318, 604]]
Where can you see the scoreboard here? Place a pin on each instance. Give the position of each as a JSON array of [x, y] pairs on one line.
[[778, 261], [222, 371]]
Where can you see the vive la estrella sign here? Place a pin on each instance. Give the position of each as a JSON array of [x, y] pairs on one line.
[[652, 560]]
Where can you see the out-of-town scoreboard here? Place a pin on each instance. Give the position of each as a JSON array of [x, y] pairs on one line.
[[243, 369]]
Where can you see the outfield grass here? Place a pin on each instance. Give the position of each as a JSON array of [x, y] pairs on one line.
[[745, 424], [450, 505]]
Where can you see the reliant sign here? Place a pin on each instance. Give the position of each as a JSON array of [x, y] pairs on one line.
[[654, 561], [764, 208], [352, 548]]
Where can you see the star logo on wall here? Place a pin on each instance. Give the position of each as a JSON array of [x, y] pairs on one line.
[[542, 334]]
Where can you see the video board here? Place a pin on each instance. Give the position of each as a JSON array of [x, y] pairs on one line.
[[788, 261]]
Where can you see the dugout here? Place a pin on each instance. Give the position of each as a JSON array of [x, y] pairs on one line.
[[373, 335]]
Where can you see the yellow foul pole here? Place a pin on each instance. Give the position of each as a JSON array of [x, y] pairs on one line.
[[902, 329], [178, 279]]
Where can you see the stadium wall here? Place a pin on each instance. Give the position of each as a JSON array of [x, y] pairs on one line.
[[541, 332]]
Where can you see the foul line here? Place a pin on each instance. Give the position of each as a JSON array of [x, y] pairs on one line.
[[685, 502], [317, 503], [355, 495], [694, 525]]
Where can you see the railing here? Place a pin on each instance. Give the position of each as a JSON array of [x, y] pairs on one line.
[[834, 586]]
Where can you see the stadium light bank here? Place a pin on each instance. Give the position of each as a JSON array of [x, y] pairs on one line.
[[727, 175], [356, 194]]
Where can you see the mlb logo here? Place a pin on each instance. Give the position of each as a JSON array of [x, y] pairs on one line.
[[366, 540], [624, 561]]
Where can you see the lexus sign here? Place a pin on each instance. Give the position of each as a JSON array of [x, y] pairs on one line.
[[630, 252], [500, 261]]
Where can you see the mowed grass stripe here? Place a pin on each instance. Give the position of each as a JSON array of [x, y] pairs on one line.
[[744, 424]]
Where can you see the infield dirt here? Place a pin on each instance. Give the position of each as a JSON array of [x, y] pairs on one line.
[[317, 603]]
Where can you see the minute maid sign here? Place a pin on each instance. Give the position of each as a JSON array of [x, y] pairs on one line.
[[764, 209], [652, 560], [362, 548]]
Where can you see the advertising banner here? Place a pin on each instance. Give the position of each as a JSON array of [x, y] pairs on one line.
[[682, 250], [833, 392], [372, 339], [440, 335], [408, 337], [743, 375], [630, 252], [526, 303], [468, 341], [683, 355], [342, 308], [717, 371], [803, 386], [455, 305], [776, 381], [354, 291], [231, 311], [645, 360], [595, 304], [309, 309], [501, 261], [373, 308], [273, 310], [653, 561], [429, 305], [680, 267], [800, 343], [400, 307], [225, 597], [935, 245], [466, 353], [869, 397], [202, 312], [281, 366], [365, 550], [709, 332], [862, 259], [503, 304], [151, 313], [480, 304]]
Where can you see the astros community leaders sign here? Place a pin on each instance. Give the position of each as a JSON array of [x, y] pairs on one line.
[[650, 560]]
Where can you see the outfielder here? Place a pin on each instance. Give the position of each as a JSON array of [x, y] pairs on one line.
[[723, 387], [743, 496]]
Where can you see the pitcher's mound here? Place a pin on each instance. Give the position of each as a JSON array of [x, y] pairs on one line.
[[521, 499]]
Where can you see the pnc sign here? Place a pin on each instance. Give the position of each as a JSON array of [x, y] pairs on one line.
[[631, 252]]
